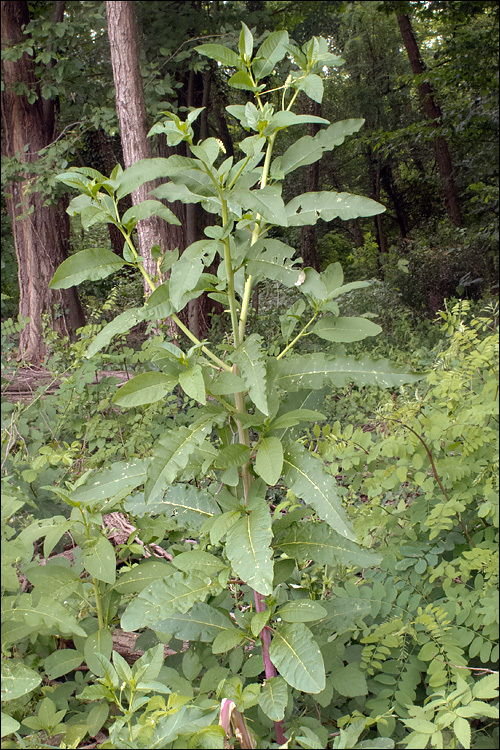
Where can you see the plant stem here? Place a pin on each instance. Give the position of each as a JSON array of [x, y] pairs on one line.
[[270, 669], [98, 606], [297, 337]]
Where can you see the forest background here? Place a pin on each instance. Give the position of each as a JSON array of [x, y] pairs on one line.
[[424, 77]]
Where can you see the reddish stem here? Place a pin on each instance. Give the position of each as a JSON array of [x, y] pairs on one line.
[[270, 669]]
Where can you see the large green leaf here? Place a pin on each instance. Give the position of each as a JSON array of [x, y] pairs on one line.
[[53, 580], [192, 383], [272, 262], [248, 547], [145, 210], [333, 328], [121, 324], [269, 460], [349, 681], [163, 598], [273, 698], [62, 661], [271, 51], [8, 724], [250, 361], [123, 476], [191, 505], [87, 265], [142, 575], [47, 616], [145, 388], [315, 541], [307, 208], [296, 656], [201, 623], [302, 610], [100, 560], [310, 149], [313, 371], [264, 201], [172, 455], [17, 679], [305, 475], [144, 170], [217, 52]]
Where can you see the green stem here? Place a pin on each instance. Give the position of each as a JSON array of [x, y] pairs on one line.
[[230, 279], [297, 337], [98, 605]]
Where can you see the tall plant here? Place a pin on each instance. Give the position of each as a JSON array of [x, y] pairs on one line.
[[216, 476]]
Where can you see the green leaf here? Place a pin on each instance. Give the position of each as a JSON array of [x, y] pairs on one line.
[[226, 640], [121, 324], [172, 455], [217, 52], [273, 698], [306, 476], [270, 52], [269, 460], [17, 679], [248, 547], [48, 616], [105, 483], [245, 46], [313, 371], [222, 524], [315, 541], [333, 328], [302, 610], [250, 361], [294, 417], [87, 265], [201, 623], [296, 656], [193, 384], [312, 86], [197, 559], [225, 383], [307, 208], [98, 644], [142, 575], [259, 621], [486, 688], [461, 727], [191, 506], [9, 725], [100, 560], [53, 580], [61, 662], [232, 455], [145, 388], [144, 170], [184, 278], [310, 149], [265, 201], [349, 681], [145, 210], [162, 599], [241, 80]]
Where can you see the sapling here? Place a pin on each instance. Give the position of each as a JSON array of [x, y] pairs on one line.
[[214, 475]]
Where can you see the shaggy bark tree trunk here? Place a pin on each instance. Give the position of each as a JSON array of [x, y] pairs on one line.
[[131, 109], [433, 112], [41, 233]]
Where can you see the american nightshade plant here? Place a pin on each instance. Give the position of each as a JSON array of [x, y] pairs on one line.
[[213, 476]]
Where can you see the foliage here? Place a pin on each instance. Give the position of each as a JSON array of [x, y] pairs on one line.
[[244, 502]]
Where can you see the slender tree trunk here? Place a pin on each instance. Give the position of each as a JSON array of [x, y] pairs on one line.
[[433, 112], [41, 233], [131, 109], [390, 187]]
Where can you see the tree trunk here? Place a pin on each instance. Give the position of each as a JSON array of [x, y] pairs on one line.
[[41, 233], [308, 233], [433, 112], [131, 110]]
